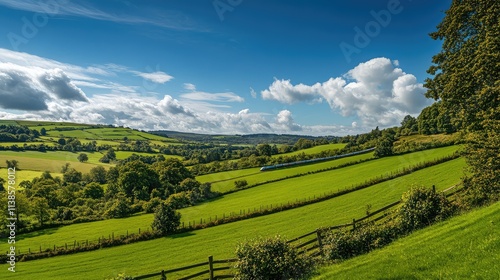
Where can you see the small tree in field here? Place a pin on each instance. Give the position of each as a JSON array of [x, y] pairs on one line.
[[166, 219], [83, 157], [240, 183]]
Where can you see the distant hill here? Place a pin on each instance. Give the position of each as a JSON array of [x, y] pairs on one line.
[[250, 139]]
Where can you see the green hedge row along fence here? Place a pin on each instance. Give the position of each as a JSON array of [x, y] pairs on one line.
[[309, 243], [229, 218]]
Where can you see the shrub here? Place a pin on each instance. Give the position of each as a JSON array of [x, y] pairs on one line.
[[271, 258], [421, 207], [150, 206], [166, 219], [119, 209], [345, 244], [240, 183]]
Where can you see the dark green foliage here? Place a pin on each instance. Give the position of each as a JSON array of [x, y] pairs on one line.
[[271, 258], [466, 78], [120, 208], [152, 204], [72, 176], [434, 119], [172, 172], [408, 125], [41, 209], [17, 133], [383, 147], [93, 190], [344, 244], [83, 157], [264, 150], [166, 219], [483, 158], [98, 175], [135, 175], [109, 156], [421, 207], [240, 183], [12, 164]]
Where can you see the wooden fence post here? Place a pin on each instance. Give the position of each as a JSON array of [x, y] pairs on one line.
[[353, 224], [163, 275], [320, 243], [211, 267]]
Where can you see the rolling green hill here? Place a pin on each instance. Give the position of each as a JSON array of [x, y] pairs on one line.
[[464, 247]]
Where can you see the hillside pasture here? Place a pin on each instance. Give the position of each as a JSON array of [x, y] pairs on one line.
[[464, 247], [26, 175], [50, 161], [442, 175], [313, 150], [79, 134], [188, 248], [259, 177]]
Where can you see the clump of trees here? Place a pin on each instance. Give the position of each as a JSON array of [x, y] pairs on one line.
[[17, 133], [133, 186]]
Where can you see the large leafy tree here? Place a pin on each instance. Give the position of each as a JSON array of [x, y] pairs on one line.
[[466, 77]]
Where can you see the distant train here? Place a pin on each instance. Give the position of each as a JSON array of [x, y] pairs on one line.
[[276, 166]]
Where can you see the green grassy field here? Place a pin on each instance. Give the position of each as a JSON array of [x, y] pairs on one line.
[[188, 248], [50, 161], [443, 175], [25, 175], [21, 144], [464, 247], [80, 134], [314, 150], [258, 177], [126, 154]]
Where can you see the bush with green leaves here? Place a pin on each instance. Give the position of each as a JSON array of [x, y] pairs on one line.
[[271, 258], [240, 183], [166, 219], [346, 243], [421, 207]]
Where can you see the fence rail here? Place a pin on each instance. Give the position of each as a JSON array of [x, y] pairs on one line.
[[308, 243]]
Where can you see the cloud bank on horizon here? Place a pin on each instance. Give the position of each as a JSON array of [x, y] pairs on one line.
[[375, 92]]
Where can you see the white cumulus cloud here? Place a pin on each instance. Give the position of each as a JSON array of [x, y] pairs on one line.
[[376, 91]]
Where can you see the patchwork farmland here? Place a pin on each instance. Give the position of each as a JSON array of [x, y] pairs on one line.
[[289, 202]]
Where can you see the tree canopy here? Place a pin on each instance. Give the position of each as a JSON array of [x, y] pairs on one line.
[[466, 78]]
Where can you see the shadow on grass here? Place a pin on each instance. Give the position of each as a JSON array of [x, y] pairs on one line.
[[181, 235]]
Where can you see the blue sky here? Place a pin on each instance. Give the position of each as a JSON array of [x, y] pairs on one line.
[[218, 66]]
